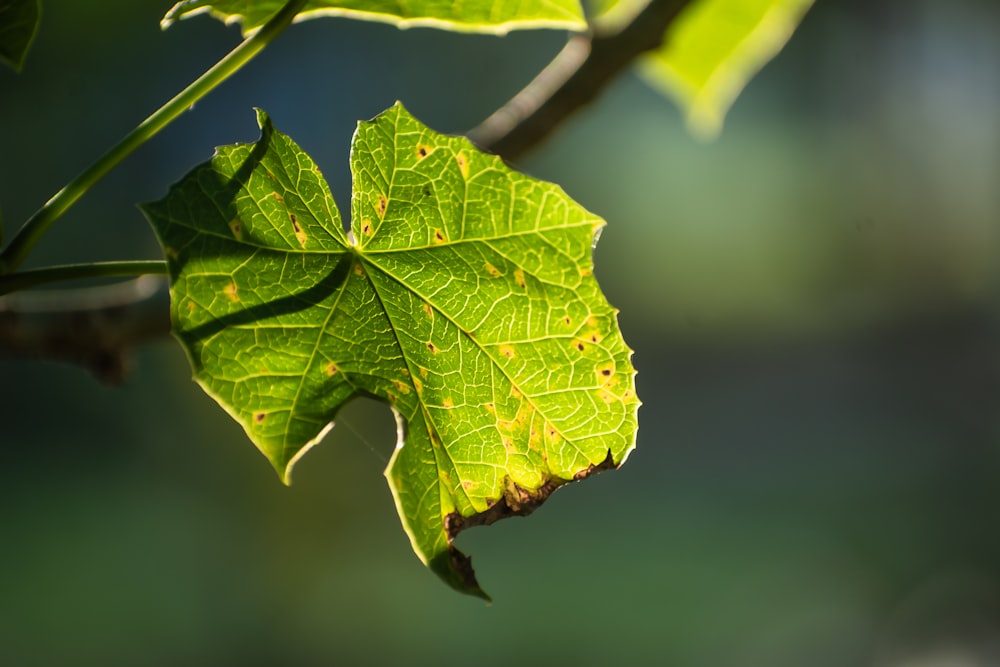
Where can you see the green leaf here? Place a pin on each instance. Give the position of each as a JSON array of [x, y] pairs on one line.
[[463, 296], [488, 16], [712, 51], [18, 25]]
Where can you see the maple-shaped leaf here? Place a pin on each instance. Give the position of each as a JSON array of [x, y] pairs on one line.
[[463, 296]]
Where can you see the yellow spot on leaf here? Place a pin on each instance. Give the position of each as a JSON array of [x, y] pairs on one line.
[[331, 369], [507, 351], [447, 403], [492, 270], [428, 310], [423, 151], [236, 228], [259, 417], [278, 198], [231, 292], [463, 164], [358, 269], [383, 204], [401, 386], [366, 227], [519, 278], [607, 396], [439, 236], [171, 252]]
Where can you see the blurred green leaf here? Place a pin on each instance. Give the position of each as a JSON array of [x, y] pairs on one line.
[[490, 16], [18, 25], [712, 51], [463, 296]]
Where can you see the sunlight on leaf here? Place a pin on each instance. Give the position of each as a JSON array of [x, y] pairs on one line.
[[488, 16], [463, 296], [714, 48], [18, 25]]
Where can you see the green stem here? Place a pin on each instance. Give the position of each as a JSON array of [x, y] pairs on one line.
[[28, 236], [12, 282]]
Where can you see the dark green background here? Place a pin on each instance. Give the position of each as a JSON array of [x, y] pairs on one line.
[[813, 300]]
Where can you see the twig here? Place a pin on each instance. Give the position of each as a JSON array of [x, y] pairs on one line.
[[94, 327], [575, 77]]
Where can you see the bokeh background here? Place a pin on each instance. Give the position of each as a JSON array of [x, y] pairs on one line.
[[814, 300]]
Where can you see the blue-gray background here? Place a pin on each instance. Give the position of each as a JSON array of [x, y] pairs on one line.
[[813, 300]]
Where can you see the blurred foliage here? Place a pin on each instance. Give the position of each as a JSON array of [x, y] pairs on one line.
[[812, 297]]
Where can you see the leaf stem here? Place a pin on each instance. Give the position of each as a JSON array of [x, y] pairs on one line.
[[35, 227], [13, 282]]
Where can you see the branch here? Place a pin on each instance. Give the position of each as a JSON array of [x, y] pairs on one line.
[[95, 327], [575, 77]]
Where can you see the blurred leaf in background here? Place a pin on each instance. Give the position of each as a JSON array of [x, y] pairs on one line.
[[18, 25]]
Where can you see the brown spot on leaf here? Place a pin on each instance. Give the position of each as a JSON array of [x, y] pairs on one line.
[[423, 151], [428, 310], [391, 396], [383, 204], [439, 236], [278, 198], [299, 234], [580, 346], [507, 351], [259, 417], [331, 369], [236, 228], [567, 320], [492, 270], [366, 226], [432, 348]]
